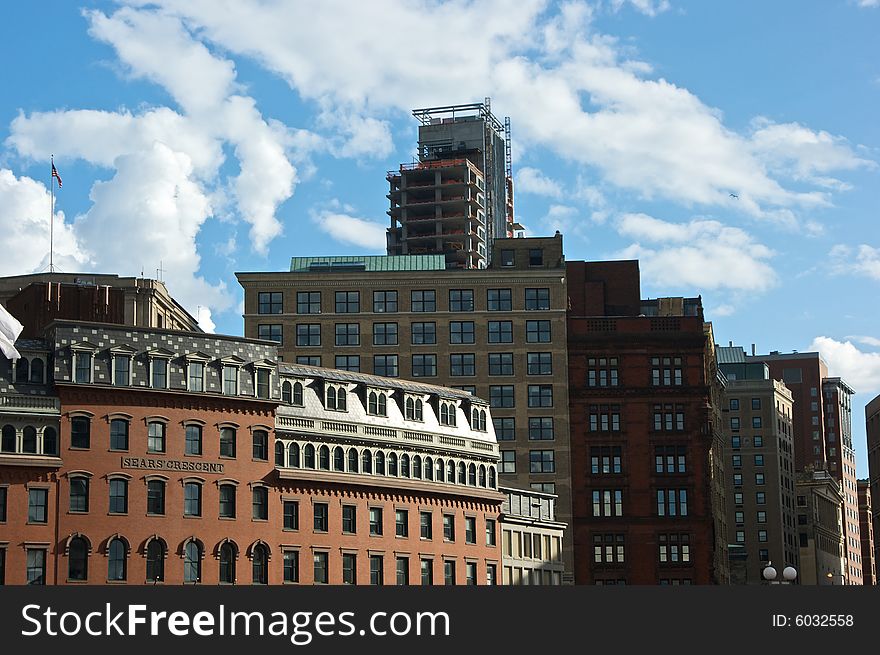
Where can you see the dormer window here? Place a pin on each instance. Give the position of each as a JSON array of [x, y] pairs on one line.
[[478, 419], [447, 413], [121, 356], [336, 398], [377, 403], [413, 409]]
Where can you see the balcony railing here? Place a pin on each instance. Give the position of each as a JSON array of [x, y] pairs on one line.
[[30, 403]]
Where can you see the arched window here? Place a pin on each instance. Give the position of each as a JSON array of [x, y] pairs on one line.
[[440, 470], [78, 559], [444, 414], [192, 561], [475, 419], [261, 445], [367, 463], [472, 475], [383, 405], [155, 560], [418, 410], [338, 459], [340, 400], [482, 475], [352, 460], [29, 439], [372, 403], [116, 551], [451, 414], [227, 563], [309, 456], [36, 371], [279, 453], [404, 465], [417, 467], [7, 441], [410, 409], [380, 463], [462, 474], [392, 464], [450, 472], [429, 468], [293, 455], [492, 477], [286, 392], [298, 394], [331, 397], [21, 370], [260, 564], [324, 458], [50, 441], [482, 420]]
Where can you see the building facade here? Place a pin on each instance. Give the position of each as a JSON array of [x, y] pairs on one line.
[[866, 530], [872, 428], [531, 538], [820, 529], [498, 333]]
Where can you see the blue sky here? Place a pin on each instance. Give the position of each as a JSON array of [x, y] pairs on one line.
[[222, 136]]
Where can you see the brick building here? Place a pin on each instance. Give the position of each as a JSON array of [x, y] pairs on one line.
[[866, 530], [872, 428]]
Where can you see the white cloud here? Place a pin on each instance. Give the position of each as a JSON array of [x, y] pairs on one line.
[[531, 180], [203, 316], [860, 369], [24, 229], [866, 340], [647, 7], [700, 254], [869, 3], [721, 310], [338, 222], [863, 260]]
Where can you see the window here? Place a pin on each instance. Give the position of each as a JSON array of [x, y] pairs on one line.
[[269, 302], [461, 300], [448, 527], [159, 374], [666, 371], [762, 535], [537, 299], [673, 459], [756, 403], [121, 370], [348, 334], [38, 500], [227, 501], [759, 460], [607, 502], [470, 570], [320, 517], [507, 257], [501, 395], [156, 560], [490, 532], [500, 331], [116, 552], [425, 525], [260, 503], [424, 366], [424, 301], [269, 332], [320, 567], [79, 495], [536, 257], [348, 302], [669, 418], [538, 331], [540, 395], [230, 380], [756, 421], [734, 404], [734, 423], [193, 439], [758, 441], [499, 300], [505, 428], [508, 461], [461, 332], [402, 567], [291, 514], [349, 519], [541, 461], [449, 572], [762, 517], [308, 302], [156, 497], [3, 496], [401, 523], [291, 566], [261, 445], [413, 409], [735, 441], [384, 301], [375, 521], [35, 378], [196, 374], [118, 496], [461, 364], [539, 363], [605, 460], [36, 566], [674, 548], [500, 363], [377, 403], [376, 570], [385, 365], [424, 333], [607, 549], [427, 571], [308, 334], [349, 568], [470, 530], [83, 366], [192, 499], [759, 478], [478, 419], [672, 502], [80, 432], [259, 565], [348, 363], [227, 442], [384, 334], [491, 575], [118, 434]]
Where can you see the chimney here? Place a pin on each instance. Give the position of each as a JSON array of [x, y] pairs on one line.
[[754, 352], [730, 344]]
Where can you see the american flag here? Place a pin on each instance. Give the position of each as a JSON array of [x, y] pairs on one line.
[[56, 175]]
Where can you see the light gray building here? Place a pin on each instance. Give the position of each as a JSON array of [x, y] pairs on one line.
[[531, 538]]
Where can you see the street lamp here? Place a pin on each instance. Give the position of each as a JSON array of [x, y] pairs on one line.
[[789, 574], [831, 577]]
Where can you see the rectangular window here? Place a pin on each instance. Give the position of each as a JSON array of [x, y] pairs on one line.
[[156, 437], [83, 368], [269, 302], [227, 501], [291, 515], [385, 365], [320, 516], [427, 570], [384, 301], [195, 374], [449, 572], [377, 564], [424, 366], [542, 461], [536, 257], [424, 333], [756, 421], [384, 334], [263, 376], [308, 334], [156, 497], [508, 461], [425, 526], [308, 302], [118, 434], [80, 432], [348, 302], [375, 521], [756, 403], [348, 363], [461, 300], [500, 331], [500, 363], [538, 331], [470, 530], [499, 300], [540, 428], [349, 568], [539, 363], [291, 566], [269, 332], [606, 460], [401, 523], [461, 332], [448, 527], [501, 395], [230, 380], [260, 503], [424, 301], [159, 374], [38, 501], [734, 404], [348, 334], [192, 499], [402, 566], [505, 428], [490, 532], [36, 566], [537, 299], [540, 395], [320, 567], [508, 257], [227, 442], [118, 496], [3, 496], [462, 364], [470, 570]]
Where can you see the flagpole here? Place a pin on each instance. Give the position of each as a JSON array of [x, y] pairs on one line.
[[52, 216]]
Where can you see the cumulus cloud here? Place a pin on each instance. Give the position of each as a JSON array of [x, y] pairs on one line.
[[863, 260], [532, 180], [647, 7], [859, 368], [700, 254], [337, 221]]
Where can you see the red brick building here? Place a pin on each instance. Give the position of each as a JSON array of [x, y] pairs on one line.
[[645, 451]]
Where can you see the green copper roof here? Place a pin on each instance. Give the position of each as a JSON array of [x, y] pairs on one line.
[[368, 263]]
